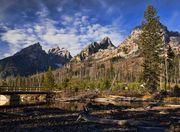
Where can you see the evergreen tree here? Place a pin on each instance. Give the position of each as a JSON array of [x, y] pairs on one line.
[[4, 83], [42, 81], [24, 82], [177, 69], [49, 81], [65, 82], [170, 64], [151, 42]]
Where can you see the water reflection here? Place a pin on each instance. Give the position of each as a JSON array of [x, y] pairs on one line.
[[39, 101], [18, 100], [73, 106], [4, 100]]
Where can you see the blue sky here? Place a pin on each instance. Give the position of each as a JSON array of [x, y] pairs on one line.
[[73, 24]]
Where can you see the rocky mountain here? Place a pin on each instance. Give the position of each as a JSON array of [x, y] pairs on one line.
[[59, 56], [130, 45], [128, 48], [96, 56], [99, 60], [174, 41], [64, 53], [93, 48], [33, 59], [105, 50]]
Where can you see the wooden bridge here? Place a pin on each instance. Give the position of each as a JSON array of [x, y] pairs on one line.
[[14, 93], [9, 90]]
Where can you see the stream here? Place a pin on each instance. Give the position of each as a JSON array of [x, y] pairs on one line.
[[35, 113]]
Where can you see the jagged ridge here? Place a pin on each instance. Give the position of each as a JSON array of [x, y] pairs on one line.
[[33, 59], [93, 48]]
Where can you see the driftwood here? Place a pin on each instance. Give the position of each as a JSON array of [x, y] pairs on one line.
[[129, 122], [171, 105], [105, 101], [76, 98], [117, 99], [69, 99], [92, 119], [85, 116], [140, 125]]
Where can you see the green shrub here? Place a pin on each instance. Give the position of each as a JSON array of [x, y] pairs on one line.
[[101, 84], [134, 86], [65, 82], [119, 86]]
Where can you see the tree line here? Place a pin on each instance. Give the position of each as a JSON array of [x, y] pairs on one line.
[[46, 80]]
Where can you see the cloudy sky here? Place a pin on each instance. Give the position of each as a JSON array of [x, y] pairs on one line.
[[73, 24]]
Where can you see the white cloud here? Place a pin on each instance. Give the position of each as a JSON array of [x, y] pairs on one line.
[[66, 20], [77, 33], [43, 12], [6, 54], [59, 9], [13, 36], [4, 27]]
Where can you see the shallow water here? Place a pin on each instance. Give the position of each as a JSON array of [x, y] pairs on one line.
[[69, 106], [33, 102]]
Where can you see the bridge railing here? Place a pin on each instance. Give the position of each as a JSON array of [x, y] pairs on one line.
[[22, 89]]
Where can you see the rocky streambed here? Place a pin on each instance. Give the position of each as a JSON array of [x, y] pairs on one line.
[[93, 115]]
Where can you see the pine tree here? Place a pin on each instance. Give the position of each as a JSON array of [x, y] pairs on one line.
[[42, 81], [177, 69], [49, 81], [151, 42], [170, 64]]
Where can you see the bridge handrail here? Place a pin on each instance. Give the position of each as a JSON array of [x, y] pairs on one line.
[[22, 89]]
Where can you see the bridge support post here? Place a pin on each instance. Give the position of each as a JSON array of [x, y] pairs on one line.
[[15, 99]]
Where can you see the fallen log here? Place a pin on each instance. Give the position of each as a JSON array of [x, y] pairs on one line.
[[128, 122], [68, 99], [117, 99], [105, 101], [85, 116], [171, 105]]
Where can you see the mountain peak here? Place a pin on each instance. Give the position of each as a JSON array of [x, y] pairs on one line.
[[34, 48], [106, 39], [35, 45], [93, 48], [62, 52], [33, 59], [107, 42]]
